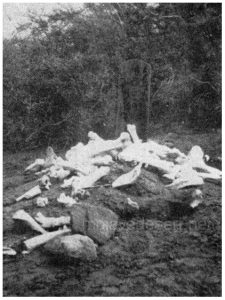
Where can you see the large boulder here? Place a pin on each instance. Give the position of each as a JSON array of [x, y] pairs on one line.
[[73, 246], [99, 223]]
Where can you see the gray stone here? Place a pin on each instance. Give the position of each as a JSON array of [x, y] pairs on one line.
[[73, 246], [99, 223]]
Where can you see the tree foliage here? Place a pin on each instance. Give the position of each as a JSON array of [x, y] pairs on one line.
[[105, 64]]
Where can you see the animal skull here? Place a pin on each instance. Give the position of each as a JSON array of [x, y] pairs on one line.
[[44, 182]]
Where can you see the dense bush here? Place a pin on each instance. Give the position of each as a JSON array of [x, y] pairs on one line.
[[97, 68]]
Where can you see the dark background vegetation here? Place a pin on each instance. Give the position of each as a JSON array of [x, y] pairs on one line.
[[104, 65]]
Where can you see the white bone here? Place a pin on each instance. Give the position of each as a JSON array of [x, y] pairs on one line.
[[83, 182], [132, 203], [186, 177], [66, 200], [101, 146], [44, 182], [133, 133], [139, 153], [105, 160], [21, 215], [68, 182], [42, 239], [51, 222], [35, 191], [41, 201], [128, 178], [9, 251], [37, 163], [58, 172], [196, 159], [197, 198]]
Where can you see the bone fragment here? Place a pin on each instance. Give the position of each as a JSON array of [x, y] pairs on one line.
[[58, 172], [132, 203], [128, 178], [21, 215], [133, 133], [42, 201], [9, 251], [35, 191], [51, 222], [83, 182], [36, 165], [66, 200], [40, 240]]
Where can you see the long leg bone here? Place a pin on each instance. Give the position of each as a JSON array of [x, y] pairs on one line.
[[51, 222], [42, 239], [21, 215], [35, 191]]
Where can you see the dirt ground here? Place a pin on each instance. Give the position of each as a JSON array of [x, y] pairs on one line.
[[146, 257]]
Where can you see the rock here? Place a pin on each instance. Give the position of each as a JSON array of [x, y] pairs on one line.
[[73, 246], [102, 223], [99, 223]]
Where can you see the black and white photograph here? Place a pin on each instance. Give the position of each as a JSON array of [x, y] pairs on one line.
[[112, 149]]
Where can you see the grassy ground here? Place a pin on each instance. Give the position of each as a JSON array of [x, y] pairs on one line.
[[147, 257]]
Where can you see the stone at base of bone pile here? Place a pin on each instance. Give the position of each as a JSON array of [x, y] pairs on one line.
[[133, 133], [51, 222], [128, 178], [83, 182], [23, 216], [42, 239], [35, 191]]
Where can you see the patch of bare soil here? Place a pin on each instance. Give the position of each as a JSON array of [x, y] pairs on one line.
[[150, 254]]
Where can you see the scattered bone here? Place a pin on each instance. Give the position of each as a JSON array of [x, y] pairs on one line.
[[38, 163], [40, 240], [51, 222], [35, 191], [42, 201], [21, 215], [128, 178], [132, 203], [9, 251], [66, 200], [83, 182], [44, 182], [197, 198]]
